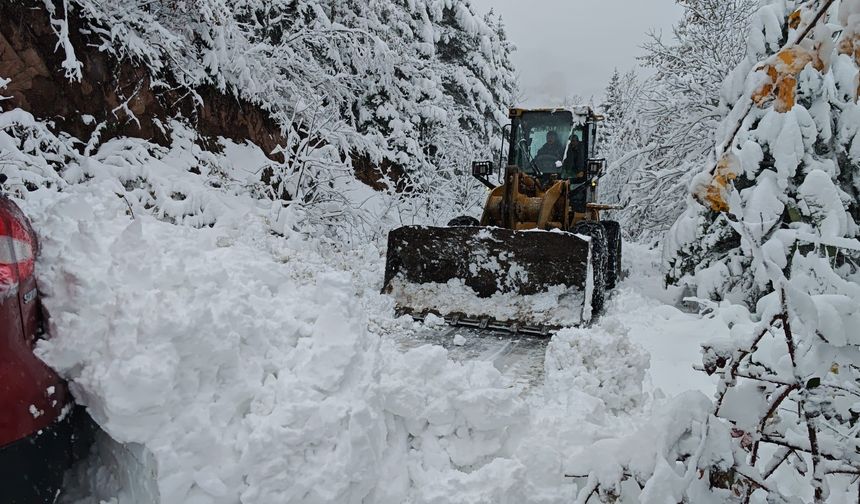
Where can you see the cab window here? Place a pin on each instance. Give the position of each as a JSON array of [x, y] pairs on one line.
[[547, 143]]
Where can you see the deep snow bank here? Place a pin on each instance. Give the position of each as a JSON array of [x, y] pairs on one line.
[[230, 364], [245, 377]]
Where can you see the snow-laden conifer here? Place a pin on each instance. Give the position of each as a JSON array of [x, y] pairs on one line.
[[676, 109]]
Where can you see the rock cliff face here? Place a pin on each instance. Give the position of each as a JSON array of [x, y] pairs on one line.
[[118, 93]]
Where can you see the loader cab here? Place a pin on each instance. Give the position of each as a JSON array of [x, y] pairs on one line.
[[545, 147], [548, 143], [553, 144], [557, 144]]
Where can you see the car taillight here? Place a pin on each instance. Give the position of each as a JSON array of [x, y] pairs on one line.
[[17, 248]]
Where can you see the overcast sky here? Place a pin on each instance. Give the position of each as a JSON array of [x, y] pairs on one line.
[[570, 47]]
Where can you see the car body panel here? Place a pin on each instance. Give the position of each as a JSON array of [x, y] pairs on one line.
[[32, 395]]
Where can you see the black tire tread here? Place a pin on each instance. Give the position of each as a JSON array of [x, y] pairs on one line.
[[613, 256], [463, 221], [597, 233]]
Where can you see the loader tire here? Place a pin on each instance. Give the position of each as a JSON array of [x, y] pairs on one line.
[[595, 231], [613, 253], [463, 221]]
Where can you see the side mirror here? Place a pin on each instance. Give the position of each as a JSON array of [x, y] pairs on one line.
[[596, 166], [481, 170]]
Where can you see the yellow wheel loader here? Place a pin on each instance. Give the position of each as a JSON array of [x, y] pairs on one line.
[[540, 240]]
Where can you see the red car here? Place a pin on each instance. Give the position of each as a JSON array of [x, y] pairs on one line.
[[41, 431]]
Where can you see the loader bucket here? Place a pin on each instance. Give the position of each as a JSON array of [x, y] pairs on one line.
[[476, 270]]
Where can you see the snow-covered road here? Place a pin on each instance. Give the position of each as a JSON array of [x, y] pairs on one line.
[[228, 364], [671, 336], [639, 307]]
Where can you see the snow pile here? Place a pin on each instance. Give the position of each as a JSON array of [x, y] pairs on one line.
[[558, 306], [241, 378], [602, 362], [226, 354], [642, 464]]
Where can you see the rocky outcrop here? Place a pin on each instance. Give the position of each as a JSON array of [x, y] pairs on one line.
[[118, 93]]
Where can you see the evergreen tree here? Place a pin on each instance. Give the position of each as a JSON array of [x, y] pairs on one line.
[[787, 165], [612, 109], [772, 223], [622, 139], [679, 110], [612, 106]]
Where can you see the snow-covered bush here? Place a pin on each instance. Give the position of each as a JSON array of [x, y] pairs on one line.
[[787, 160], [31, 155], [402, 95], [787, 404], [771, 224]]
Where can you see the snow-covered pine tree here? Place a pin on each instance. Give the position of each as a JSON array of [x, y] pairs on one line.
[[787, 158], [773, 224], [783, 427], [622, 135], [612, 108]]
